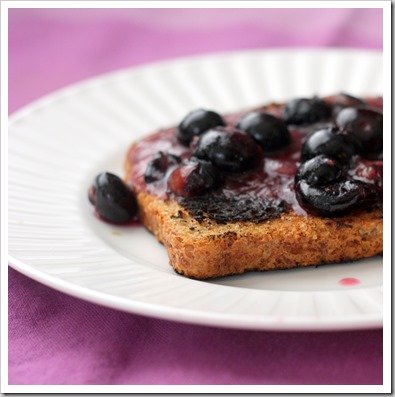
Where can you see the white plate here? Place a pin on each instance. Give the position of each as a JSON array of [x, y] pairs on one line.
[[58, 144]]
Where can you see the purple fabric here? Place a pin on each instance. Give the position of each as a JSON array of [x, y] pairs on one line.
[[55, 338], [58, 339]]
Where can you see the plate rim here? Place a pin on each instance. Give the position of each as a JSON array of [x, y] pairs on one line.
[[162, 311], [69, 89], [181, 315]]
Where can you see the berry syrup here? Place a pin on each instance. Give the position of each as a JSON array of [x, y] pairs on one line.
[[273, 178]]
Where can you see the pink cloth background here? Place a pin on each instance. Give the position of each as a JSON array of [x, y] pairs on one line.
[[58, 339]]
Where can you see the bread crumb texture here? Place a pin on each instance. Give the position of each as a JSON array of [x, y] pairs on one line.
[[208, 249]]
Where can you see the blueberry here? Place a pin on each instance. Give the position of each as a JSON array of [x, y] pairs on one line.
[[158, 166], [306, 111], [196, 123], [329, 142], [319, 171], [228, 149], [366, 125], [114, 201], [341, 101], [194, 179], [269, 131], [334, 199]]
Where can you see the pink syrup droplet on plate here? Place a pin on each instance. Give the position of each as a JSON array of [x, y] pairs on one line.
[[349, 281]]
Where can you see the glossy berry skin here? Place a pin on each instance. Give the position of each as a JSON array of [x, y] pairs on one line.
[[366, 125], [269, 131], [334, 199], [319, 171], [196, 123], [228, 149], [328, 142], [306, 111], [159, 165], [341, 101], [194, 179], [114, 201]]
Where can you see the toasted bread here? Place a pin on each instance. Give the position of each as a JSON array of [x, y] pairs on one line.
[[203, 248], [206, 249]]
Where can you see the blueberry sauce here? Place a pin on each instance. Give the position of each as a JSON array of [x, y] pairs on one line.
[[272, 179]]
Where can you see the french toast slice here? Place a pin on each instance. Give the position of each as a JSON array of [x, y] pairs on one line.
[[201, 246]]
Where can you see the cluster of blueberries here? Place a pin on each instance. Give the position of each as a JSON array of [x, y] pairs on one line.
[[322, 185], [217, 149]]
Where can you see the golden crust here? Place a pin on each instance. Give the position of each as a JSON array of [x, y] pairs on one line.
[[207, 249]]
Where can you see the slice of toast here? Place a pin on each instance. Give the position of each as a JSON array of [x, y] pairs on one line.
[[208, 249], [203, 248]]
